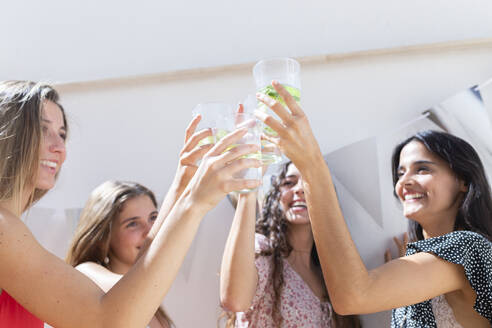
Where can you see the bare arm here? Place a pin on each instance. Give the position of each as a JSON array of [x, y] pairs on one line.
[[63, 297], [352, 288], [238, 274], [188, 157]]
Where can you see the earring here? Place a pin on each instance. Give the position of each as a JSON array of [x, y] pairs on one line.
[[106, 260]]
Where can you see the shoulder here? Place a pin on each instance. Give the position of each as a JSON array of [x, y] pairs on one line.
[[455, 242], [13, 231], [103, 277], [15, 237], [94, 269], [465, 236], [9, 221], [91, 267], [262, 243], [263, 262]]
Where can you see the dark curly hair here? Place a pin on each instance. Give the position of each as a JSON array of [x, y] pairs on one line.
[[273, 225]]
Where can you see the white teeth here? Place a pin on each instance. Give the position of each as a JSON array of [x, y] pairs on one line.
[[299, 204], [49, 164], [413, 196]]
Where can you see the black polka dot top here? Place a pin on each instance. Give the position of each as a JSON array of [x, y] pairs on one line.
[[466, 248]]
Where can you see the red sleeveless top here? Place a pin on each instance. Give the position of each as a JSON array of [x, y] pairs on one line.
[[13, 315]]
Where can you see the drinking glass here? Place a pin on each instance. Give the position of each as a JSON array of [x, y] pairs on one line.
[[252, 136], [215, 116], [287, 72]]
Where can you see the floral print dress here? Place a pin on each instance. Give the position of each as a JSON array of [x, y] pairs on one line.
[[299, 306]]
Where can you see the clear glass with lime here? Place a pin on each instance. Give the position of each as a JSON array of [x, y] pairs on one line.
[[222, 119], [215, 116], [287, 72]]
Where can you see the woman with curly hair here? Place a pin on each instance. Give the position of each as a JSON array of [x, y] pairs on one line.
[[273, 278], [445, 280]]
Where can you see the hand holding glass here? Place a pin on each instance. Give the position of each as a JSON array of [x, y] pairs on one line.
[[287, 72]]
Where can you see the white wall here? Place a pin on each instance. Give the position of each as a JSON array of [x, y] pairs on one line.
[[87, 40], [134, 131]]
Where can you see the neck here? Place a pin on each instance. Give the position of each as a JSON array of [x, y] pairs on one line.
[[118, 267], [12, 206], [438, 225], [301, 239], [436, 230]]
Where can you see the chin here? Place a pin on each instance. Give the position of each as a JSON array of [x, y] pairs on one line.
[[299, 220], [45, 185], [414, 215]]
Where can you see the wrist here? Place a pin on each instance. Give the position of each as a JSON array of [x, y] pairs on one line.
[[309, 162], [249, 196], [181, 180], [192, 205], [314, 169]]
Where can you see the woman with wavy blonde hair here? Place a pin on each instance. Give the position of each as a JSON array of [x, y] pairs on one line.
[[35, 285], [111, 232]]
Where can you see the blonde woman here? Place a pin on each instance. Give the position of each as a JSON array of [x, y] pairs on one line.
[[37, 286], [111, 232]]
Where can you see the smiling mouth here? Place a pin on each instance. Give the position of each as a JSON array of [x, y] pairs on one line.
[[298, 206], [50, 164], [416, 196]]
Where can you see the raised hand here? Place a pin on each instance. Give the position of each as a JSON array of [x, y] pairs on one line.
[[294, 135], [400, 244], [214, 177], [191, 153]]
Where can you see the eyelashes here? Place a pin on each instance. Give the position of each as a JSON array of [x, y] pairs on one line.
[[45, 131], [418, 170]]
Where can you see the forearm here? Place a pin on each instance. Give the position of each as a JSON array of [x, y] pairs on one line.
[[172, 196], [146, 284], [345, 274], [238, 275]]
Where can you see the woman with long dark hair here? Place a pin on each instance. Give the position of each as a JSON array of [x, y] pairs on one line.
[[274, 278], [446, 278]]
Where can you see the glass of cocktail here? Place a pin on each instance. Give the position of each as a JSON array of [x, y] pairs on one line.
[[287, 72], [252, 136], [215, 116]]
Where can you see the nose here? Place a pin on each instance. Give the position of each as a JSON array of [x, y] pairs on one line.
[[298, 188], [148, 226], [406, 180], [56, 144]]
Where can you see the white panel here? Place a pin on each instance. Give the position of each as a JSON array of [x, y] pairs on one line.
[[85, 40]]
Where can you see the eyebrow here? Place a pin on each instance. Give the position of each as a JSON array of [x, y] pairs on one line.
[[48, 121], [137, 217], [129, 219], [418, 163]]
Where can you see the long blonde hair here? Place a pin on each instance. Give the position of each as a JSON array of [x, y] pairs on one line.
[[91, 242], [21, 105]]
